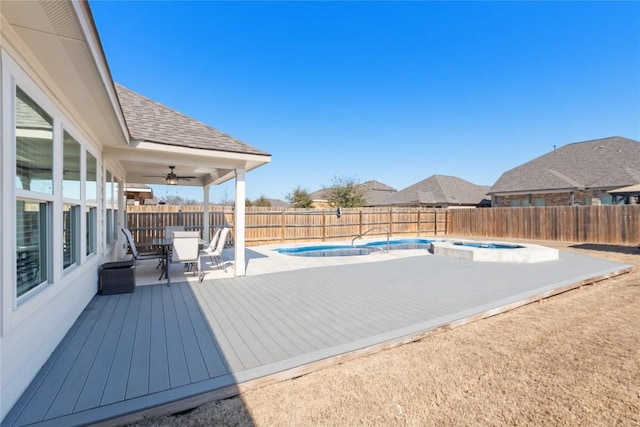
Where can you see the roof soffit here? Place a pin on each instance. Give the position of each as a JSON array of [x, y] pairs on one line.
[[62, 42]]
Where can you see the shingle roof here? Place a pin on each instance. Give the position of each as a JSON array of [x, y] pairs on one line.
[[277, 203], [600, 163], [439, 190], [374, 192], [151, 121]]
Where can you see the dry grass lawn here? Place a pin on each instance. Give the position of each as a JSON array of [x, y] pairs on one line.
[[573, 359]]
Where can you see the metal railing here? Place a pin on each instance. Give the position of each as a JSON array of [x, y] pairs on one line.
[[370, 230]]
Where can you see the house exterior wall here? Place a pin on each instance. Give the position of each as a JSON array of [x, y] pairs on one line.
[[580, 197], [34, 323]]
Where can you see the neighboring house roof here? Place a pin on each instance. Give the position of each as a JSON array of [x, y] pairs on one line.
[[627, 191], [322, 194], [151, 121], [601, 163], [440, 190], [374, 192], [277, 203]]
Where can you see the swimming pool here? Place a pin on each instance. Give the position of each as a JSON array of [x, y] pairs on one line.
[[364, 249], [488, 245]]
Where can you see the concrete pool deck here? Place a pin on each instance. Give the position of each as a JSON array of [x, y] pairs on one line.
[[227, 335]]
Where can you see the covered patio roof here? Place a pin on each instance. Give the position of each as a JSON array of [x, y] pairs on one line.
[[161, 137]]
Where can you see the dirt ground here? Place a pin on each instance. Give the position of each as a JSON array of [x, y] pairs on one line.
[[573, 359]]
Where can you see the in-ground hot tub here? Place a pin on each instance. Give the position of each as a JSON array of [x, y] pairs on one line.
[[494, 251]]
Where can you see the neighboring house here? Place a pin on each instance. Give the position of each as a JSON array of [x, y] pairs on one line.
[[70, 141], [440, 191], [139, 194], [277, 203], [374, 192], [581, 173]]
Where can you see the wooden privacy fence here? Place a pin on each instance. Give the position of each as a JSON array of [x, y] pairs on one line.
[[618, 224], [611, 224], [283, 225]]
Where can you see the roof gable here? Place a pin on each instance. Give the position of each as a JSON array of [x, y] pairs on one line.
[[601, 163], [374, 192], [148, 120], [439, 189]]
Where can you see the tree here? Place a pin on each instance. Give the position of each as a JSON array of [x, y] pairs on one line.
[[178, 201], [345, 192], [248, 202], [299, 198], [262, 202]]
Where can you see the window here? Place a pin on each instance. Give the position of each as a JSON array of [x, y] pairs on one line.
[[32, 220], [34, 187], [34, 146], [91, 196], [70, 192], [91, 229], [70, 233], [538, 202], [515, 203], [114, 205], [71, 168], [109, 203]]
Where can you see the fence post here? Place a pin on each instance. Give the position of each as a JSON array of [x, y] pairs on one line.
[[324, 225], [180, 217], [419, 228], [390, 220], [360, 222]]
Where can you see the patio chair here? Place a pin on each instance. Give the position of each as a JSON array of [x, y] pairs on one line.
[[214, 240], [216, 251], [186, 249], [137, 255], [169, 229], [141, 256]]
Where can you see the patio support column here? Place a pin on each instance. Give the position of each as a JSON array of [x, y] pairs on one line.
[[205, 214], [239, 224]]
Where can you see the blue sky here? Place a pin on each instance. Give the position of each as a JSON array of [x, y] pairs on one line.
[[392, 91]]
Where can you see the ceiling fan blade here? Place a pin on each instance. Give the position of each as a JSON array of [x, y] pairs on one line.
[[186, 177]]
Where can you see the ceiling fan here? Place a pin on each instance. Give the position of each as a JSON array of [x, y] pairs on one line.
[[171, 178]]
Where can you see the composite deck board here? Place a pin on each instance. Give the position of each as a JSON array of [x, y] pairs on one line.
[[95, 382], [138, 379], [282, 345], [214, 362], [279, 328], [237, 326], [158, 358], [36, 400], [160, 344], [116, 386], [69, 391], [231, 346], [178, 371], [263, 345], [196, 368], [283, 319]]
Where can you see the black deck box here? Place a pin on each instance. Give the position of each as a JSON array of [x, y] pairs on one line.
[[117, 278]]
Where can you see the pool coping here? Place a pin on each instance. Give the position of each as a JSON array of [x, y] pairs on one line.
[[524, 253]]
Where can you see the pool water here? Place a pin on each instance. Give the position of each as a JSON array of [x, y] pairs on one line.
[[365, 249], [488, 245]]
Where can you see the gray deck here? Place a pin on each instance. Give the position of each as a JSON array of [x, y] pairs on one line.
[[130, 352]]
